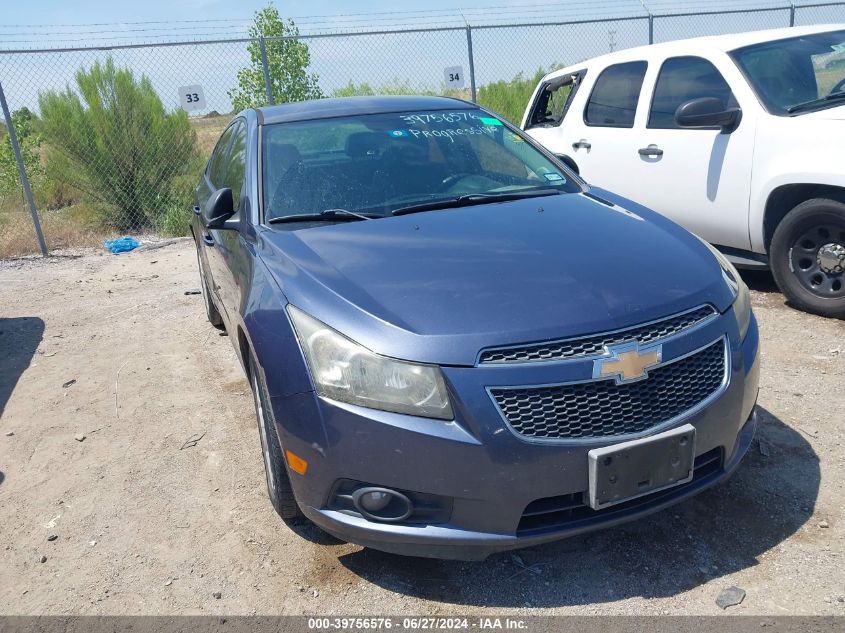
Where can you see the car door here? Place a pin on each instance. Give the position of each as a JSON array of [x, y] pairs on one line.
[[230, 263], [700, 178], [599, 126], [211, 181]]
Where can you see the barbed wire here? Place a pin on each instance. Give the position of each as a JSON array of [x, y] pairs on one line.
[[150, 30]]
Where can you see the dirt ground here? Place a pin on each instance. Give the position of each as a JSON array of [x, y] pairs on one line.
[[112, 348]]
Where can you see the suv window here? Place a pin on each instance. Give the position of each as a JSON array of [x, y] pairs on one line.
[[613, 102], [554, 100], [217, 162], [236, 166], [682, 79]]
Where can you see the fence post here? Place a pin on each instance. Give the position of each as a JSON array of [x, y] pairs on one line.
[[27, 191], [651, 28], [471, 64], [268, 87], [791, 14]]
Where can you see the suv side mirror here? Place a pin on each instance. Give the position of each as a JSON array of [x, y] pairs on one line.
[[707, 112], [566, 160], [219, 208]]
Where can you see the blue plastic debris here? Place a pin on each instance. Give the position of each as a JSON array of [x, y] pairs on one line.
[[122, 244]]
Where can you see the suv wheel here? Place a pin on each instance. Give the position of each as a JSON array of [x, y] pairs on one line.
[[210, 309], [807, 257], [278, 482]]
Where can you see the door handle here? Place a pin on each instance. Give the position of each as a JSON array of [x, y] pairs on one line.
[[651, 150], [209, 241], [583, 143], [196, 210]]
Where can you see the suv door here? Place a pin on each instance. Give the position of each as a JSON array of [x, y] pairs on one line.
[[596, 130], [700, 178]]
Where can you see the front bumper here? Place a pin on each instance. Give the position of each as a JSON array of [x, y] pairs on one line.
[[489, 474]]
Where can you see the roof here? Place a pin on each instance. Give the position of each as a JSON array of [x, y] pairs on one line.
[[723, 43], [350, 106]]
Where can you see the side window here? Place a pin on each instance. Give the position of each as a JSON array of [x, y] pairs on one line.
[[682, 79], [236, 166], [613, 102], [554, 100], [217, 163]]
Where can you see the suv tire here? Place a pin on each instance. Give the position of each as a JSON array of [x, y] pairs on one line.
[[807, 257]]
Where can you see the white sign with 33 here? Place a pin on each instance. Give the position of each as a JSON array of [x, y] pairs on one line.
[[191, 98]]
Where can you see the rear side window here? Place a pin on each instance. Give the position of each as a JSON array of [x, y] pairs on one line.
[[554, 100], [680, 80], [613, 102]]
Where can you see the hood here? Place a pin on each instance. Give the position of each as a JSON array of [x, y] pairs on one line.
[[836, 113], [440, 286]]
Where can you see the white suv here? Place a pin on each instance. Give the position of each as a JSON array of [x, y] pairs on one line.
[[740, 138]]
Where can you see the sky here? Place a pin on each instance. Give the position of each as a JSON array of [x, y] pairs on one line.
[[417, 60], [25, 23]]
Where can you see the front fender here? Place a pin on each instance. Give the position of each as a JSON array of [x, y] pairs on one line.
[[792, 151]]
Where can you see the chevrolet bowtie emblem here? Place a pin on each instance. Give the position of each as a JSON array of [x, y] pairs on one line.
[[627, 362]]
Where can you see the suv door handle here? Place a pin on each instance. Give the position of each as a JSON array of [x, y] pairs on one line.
[[208, 239], [583, 143], [651, 150], [196, 210]]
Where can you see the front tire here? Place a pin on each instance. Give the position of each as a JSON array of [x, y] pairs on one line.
[[278, 481], [807, 257]]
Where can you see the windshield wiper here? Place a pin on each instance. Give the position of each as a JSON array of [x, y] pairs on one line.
[[328, 215], [814, 102], [475, 198]]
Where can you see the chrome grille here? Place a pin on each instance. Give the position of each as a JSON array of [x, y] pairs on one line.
[[605, 409], [594, 345]]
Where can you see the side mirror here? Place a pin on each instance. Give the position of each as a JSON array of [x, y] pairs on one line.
[[707, 112], [566, 160], [219, 208]]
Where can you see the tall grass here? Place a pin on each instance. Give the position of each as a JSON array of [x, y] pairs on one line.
[[509, 99]]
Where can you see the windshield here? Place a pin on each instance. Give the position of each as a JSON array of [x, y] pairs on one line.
[[796, 75], [376, 164]]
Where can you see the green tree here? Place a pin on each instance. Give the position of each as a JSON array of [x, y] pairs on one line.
[[287, 62], [23, 120], [115, 142]]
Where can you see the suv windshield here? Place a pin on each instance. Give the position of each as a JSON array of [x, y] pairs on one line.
[[373, 165], [798, 74]]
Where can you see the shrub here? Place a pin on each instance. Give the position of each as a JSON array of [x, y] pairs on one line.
[[509, 98], [23, 120], [117, 144]]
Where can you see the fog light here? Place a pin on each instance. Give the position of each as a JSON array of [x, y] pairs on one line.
[[382, 504], [374, 500]]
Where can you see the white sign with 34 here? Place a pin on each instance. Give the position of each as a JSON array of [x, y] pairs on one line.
[[454, 76]]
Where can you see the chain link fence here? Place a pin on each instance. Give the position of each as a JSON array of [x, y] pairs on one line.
[[113, 139]]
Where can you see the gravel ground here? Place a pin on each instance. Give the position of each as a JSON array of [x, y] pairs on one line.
[[108, 368]]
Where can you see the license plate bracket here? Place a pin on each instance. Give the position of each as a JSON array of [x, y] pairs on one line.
[[628, 470]]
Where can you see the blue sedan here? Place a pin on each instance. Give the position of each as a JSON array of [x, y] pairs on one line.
[[457, 347]]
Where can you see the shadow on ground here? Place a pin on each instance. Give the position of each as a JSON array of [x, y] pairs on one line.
[[19, 338], [760, 280], [719, 532]]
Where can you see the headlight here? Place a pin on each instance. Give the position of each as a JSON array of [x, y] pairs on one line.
[[345, 371], [742, 297]]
